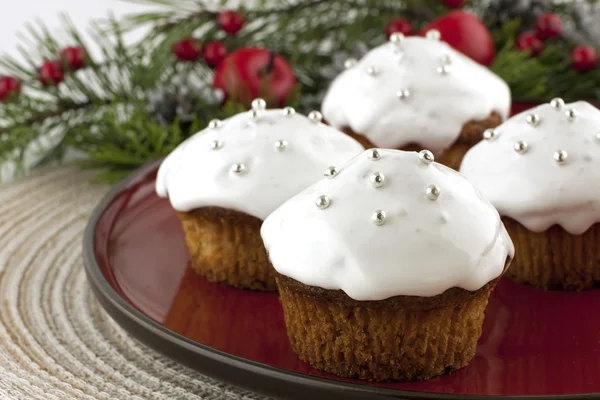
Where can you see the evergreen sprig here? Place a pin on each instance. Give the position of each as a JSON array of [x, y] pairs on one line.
[[103, 110]]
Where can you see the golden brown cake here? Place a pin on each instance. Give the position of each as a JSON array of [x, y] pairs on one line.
[[541, 170], [414, 93], [555, 258], [226, 179], [403, 338], [225, 246], [385, 269], [470, 134]]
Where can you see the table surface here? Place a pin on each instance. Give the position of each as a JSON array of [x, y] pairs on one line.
[[56, 342]]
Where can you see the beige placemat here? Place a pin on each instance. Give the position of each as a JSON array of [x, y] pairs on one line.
[[56, 342]]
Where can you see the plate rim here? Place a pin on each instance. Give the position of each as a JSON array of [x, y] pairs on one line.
[[257, 377]]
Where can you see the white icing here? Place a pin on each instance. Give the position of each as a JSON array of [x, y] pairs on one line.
[[423, 247], [195, 175], [437, 105], [532, 187]]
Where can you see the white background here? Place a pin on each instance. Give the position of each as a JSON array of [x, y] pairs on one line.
[[16, 13]]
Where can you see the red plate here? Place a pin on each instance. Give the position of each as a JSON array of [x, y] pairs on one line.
[[534, 343]]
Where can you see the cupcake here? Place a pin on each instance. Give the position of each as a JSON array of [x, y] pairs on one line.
[[385, 268], [541, 170], [224, 180], [413, 93]]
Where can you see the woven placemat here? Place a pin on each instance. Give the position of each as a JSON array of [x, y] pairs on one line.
[[56, 342]]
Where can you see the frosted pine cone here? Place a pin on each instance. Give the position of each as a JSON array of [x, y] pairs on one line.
[[338, 60], [526, 10], [185, 98], [586, 28]]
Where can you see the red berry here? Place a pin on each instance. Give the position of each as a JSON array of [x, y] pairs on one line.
[[548, 26], [583, 58], [398, 25], [51, 73], [453, 3], [9, 87], [252, 72], [73, 57], [528, 41], [231, 22], [186, 49], [213, 53], [465, 32]]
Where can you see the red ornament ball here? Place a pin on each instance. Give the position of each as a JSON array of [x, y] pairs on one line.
[[51, 73], [400, 25], [528, 41], [465, 33], [73, 57], [583, 58], [9, 86], [213, 53], [548, 25], [231, 21], [186, 49], [453, 3], [253, 72]]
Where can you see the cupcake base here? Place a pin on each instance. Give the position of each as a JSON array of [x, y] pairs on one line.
[[225, 246], [403, 338], [555, 259], [471, 134]]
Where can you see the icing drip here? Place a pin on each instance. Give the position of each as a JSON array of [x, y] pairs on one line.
[[423, 230], [251, 162], [414, 90], [542, 173]]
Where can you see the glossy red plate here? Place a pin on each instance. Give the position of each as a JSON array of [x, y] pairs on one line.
[[534, 343]]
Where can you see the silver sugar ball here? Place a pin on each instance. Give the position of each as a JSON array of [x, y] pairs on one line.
[[378, 217], [521, 147], [396, 37], [330, 172], [238, 168], [446, 59], [533, 119], [432, 192], [426, 157], [259, 104], [490, 134], [444, 69], [373, 71], [403, 94], [281, 145], [289, 111], [557, 103], [254, 113], [322, 202], [560, 156], [433, 34], [373, 154], [216, 144], [377, 179], [350, 63], [571, 114], [315, 116], [214, 124]]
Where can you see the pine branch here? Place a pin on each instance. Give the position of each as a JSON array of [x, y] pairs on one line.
[[82, 97]]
